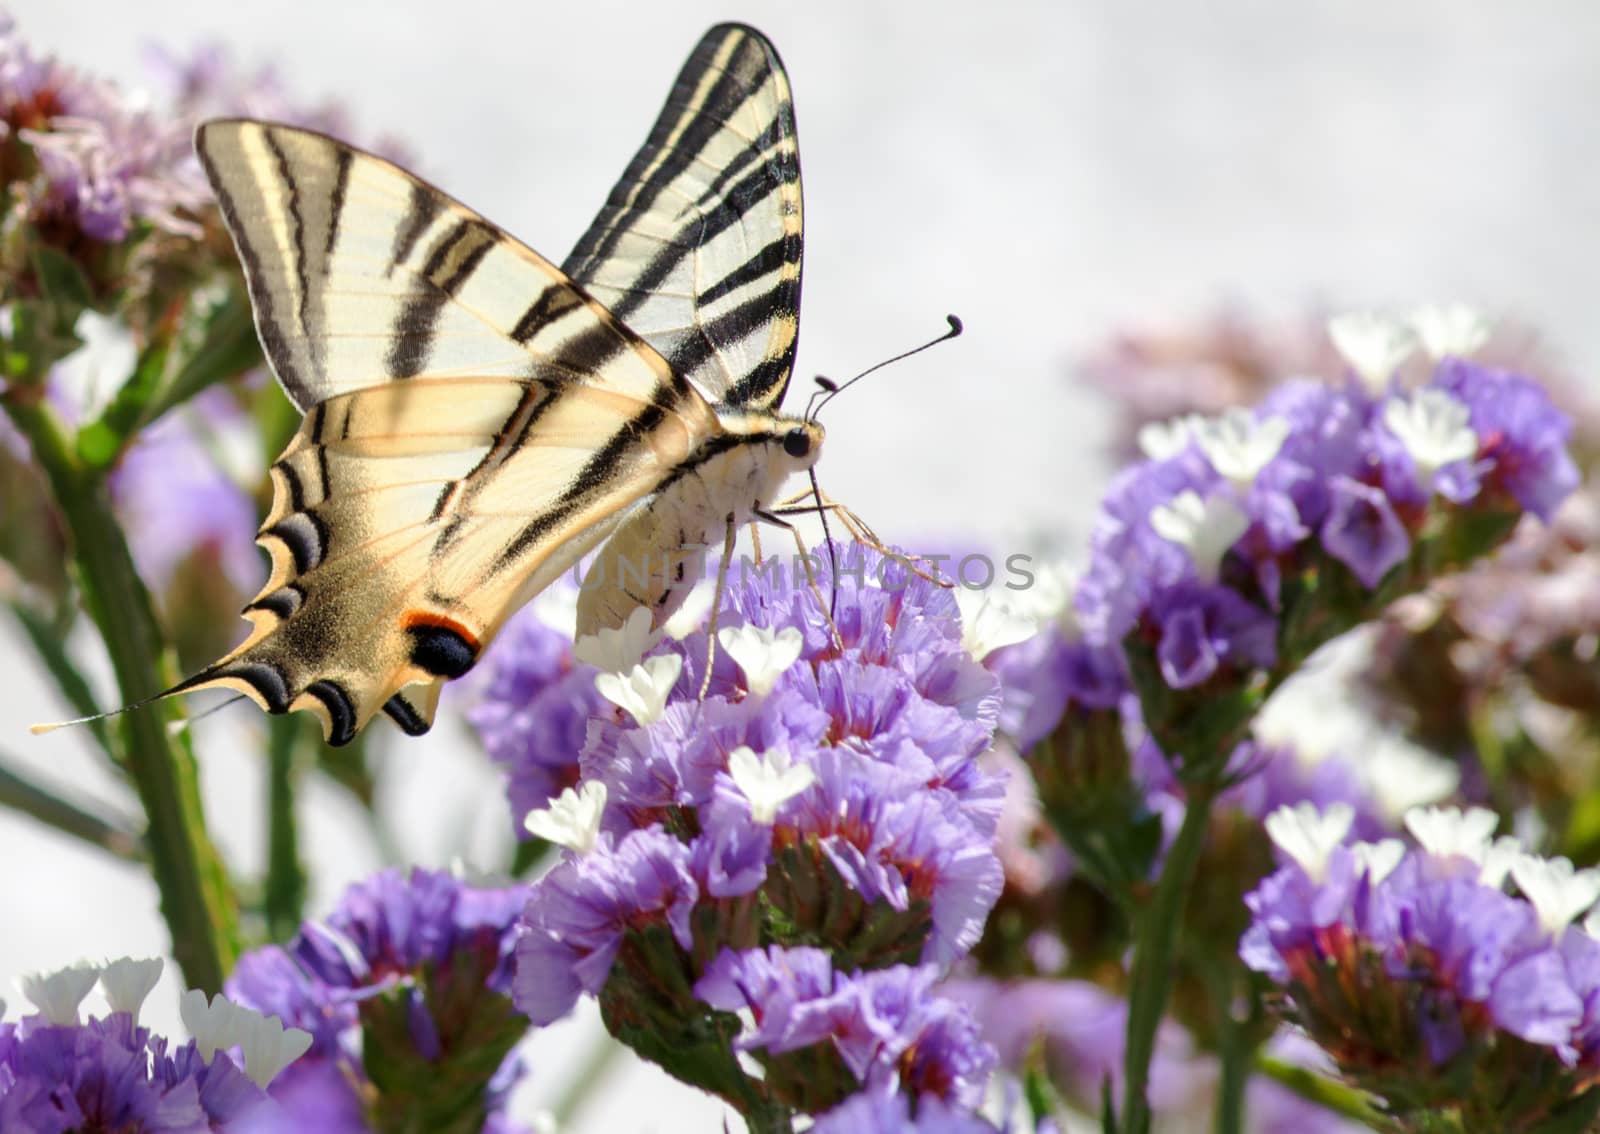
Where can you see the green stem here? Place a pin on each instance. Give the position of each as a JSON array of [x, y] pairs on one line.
[[1234, 1056], [769, 1120], [1330, 1094], [284, 892], [1155, 947], [195, 896], [114, 835]]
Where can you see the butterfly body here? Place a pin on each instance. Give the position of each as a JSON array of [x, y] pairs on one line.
[[478, 419], [657, 555]]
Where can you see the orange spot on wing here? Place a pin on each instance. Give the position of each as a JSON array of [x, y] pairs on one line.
[[415, 618]]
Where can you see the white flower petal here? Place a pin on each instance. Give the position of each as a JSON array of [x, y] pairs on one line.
[[1308, 835], [1558, 892], [56, 995], [1434, 428], [1163, 440], [1374, 345], [1402, 775], [573, 818], [618, 650], [126, 982], [1047, 597], [1238, 446], [1446, 831], [1450, 330], [1379, 859], [768, 780], [1206, 529], [267, 1046], [643, 690], [988, 623], [1498, 860], [761, 654], [211, 1023]]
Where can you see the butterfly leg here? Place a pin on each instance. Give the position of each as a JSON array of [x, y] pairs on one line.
[[859, 531], [716, 603], [775, 518]]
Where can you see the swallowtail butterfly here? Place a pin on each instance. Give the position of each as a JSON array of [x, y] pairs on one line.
[[477, 418]]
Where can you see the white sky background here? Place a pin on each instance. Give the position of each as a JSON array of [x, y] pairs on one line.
[[1051, 171]]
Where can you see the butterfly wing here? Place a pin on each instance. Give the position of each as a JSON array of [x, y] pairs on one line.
[[698, 247], [475, 422]]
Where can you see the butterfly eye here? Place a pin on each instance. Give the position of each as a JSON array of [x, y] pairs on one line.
[[797, 442]]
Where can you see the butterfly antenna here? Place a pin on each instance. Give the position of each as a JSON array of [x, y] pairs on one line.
[[828, 389]]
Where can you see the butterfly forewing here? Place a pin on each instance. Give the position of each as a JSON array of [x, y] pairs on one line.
[[361, 274], [698, 247]]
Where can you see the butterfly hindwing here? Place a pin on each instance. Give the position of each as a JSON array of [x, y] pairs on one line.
[[698, 247]]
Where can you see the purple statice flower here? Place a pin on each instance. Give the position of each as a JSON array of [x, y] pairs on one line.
[[882, 727], [531, 706], [413, 964], [103, 174], [878, 1113], [1362, 530], [1079, 1030], [825, 791], [1522, 435], [105, 160], [890, 842], [394, 924], [1056, 668], [36, 88], [1268, 777], [1423, 979], [1227, 358], [1204, 556], [109, 1073], [887, 1028], [578, 914], [210, 82], [176, 501], [1083, 1030]]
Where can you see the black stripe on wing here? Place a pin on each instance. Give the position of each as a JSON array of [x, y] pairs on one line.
[[698, 248]]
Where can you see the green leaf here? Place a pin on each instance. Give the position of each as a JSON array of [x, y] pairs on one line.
[[214, 340], [37, 342], [112, 833], [1043, 1100], [475, 1028], [63, 282]]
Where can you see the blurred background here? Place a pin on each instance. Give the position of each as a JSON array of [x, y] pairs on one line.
[[1055, 172]]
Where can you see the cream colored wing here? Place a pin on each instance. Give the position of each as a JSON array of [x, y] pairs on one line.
[[698, 247], [475, 422], [410, 520]]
